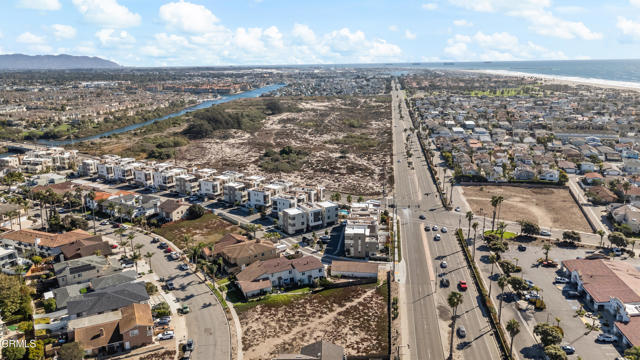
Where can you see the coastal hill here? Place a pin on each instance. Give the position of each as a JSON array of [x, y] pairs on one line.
[[53, 62]]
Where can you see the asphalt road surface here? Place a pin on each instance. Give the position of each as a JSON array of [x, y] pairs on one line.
[[426, 338]]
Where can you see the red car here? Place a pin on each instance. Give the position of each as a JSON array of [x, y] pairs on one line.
[[114, 246], [462, 285], [168, 250]]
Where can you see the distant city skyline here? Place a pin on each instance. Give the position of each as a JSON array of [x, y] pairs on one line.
[[244, 32]]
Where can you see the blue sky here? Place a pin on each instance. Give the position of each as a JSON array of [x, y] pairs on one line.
[[236, 32]]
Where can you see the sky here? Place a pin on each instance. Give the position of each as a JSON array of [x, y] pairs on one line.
[[254, 32]]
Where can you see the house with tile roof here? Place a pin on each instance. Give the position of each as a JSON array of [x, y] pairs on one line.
[[244, 253], [172, 210], [261, 276], [40, 242], [85, 247]]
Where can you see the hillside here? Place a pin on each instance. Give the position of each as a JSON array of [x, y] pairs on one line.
[[53, 62]]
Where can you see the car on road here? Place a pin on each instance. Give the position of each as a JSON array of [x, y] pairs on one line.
[[166, 335], [168, 250], [427, 228], [114, 246], [422, 217], [104, 222], [437, 237], [462, 332], [607, 338], [163, 245], [184, 309], [457, 209], [123, 226], [529, 283], [127, 265], [170, 285], [568, 349], [572, 294], [616, 251], [444, 229], [443, 264], [561, 280], [155, 240], [189, 346], [444, 282], [434, 228], [174, 256], [463, 285], [545, 233], [183, 267], [325, 238], [522, 247]]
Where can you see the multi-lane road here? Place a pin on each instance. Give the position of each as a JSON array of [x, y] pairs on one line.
[[426, 315]]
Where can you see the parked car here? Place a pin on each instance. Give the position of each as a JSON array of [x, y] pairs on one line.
[[174, 256], [617, 251], [325, 238], [532, 296], [168, 250], [435, 228], [522, 247], [529, 283], [427, 228], [561, 280], [163, 321], [457, 208], [443, 264], [183, 267], [462, 332], [444, 229], [437, 237], [422, 217], [545, 233], [166, 335], [163, 245], [184, 309], [573, 294], [104, 222], [114, 246], [462, 285], [155, 240], [444, 282], [189, 346], [170, 285], [568, 349], [608, 338], [127, 265], [186, 355]]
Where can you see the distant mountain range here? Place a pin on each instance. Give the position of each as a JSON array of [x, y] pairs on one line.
[[53, 62]]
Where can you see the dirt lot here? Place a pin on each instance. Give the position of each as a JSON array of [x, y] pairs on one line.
[[549, 207], [208, 229], [352, 317]]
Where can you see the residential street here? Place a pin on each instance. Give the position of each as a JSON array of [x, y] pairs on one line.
[[424, 302]]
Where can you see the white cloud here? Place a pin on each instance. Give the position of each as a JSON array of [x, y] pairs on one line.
[[304, 33], [107, 13], [430, 6], [40, 4], [536, 13], [635, 2], [188, 17], [115, 38], [63, 31], [462, 22], [629, 27], [570, 9], [393, 28], [498, 46], [29, 38], [409, 35]]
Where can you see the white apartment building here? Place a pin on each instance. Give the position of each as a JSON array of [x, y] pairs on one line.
[[259, 198], [329, 212], [35, 164], [203, 173], [210, 187], [234, 192], [253, 181], [314, 215], [88, 167], [126, 172], [143, 176], [107, 171], [293, 220], [9, 161], [187, 184], [282, 202], [166, 179]]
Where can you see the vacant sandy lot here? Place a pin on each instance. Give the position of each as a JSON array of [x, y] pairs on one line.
[[549, 207], [352, 317]]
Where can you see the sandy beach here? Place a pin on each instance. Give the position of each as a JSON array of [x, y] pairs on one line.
[[568, 80]]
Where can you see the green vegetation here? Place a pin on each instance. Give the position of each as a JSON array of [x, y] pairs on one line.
[[506, 236], [71, 351], [361, 142], [515, 91], [161, 309], [195, 211], [210, 227], [151, 288], [287, 159], [12, 177], [15, 299], [50, 305], [156, 147], [218, 295], [204, 123]]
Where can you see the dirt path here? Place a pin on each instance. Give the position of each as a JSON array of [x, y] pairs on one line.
[[317, 325]]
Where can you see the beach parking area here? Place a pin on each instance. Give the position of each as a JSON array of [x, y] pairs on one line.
[[549, 207]]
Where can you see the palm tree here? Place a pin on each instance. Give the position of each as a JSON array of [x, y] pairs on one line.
[[187, 241], [633, 244], [501, 228], [469, 216], [493, 259], [252, 228], [135, 257], [601, 233], [474, 226], [546, 248], [502, 282], [148, 257], [123, 244], [454, 300], [513, 328], [112, 210], [130, 237], [129, 213], [120, 212], [451, 181], [138, 247], [120, 231], [496, 200], [626, 186]]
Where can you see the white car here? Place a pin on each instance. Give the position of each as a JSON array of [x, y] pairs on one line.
[[561, 280], [437, 237], [444, 229], [545, 233], [174, 256], [166, 335], [606, 338]]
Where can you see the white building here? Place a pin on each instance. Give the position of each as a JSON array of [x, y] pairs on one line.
[[259, 198], [293, 220], [234, 192], [210, 187]]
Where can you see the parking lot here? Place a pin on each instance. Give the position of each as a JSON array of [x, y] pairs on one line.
[[560, 307]]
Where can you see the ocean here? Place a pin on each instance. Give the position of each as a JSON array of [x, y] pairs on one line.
[[610, 72]]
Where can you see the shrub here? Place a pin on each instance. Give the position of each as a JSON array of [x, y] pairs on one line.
[[50, 305], [195, 211]]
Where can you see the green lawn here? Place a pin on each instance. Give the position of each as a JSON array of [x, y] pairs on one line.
[[222, 281], [218, 295], [272, 300], [507, 234]]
